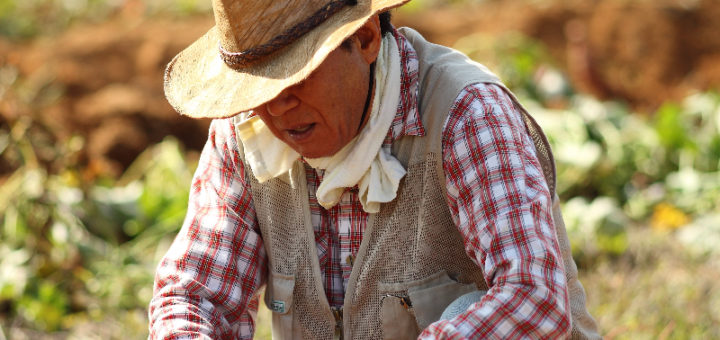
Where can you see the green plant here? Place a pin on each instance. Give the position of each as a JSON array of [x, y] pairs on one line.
[[73, 256], [30, 18]]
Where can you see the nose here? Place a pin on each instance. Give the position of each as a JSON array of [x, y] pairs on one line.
[[281, 104]]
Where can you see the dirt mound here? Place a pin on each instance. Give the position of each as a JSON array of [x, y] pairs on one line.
[[104, 81], [643, 52]]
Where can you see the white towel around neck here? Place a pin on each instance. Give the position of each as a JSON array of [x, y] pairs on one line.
[[362, 162]]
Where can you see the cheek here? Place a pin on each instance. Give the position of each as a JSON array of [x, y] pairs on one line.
[[268, 120], [349, 95]]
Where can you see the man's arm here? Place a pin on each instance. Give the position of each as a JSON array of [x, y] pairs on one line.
[[206, 284], [501, 204]]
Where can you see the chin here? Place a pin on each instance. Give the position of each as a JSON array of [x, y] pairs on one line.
[[313, 154], [316, 153]]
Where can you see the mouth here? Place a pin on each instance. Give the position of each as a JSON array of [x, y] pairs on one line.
[[300, 133]]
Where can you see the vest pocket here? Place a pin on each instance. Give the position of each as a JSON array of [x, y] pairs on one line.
[[431, 296], [408, 308], [279, 299], [397, 319]]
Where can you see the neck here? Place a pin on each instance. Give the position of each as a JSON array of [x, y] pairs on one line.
[[368, 98]]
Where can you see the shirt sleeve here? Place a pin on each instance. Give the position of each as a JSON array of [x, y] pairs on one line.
[[501, 204], [206, 284]]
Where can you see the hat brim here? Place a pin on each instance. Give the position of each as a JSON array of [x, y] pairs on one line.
[[199, 84]]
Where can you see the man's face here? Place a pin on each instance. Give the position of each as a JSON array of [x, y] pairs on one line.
[[322, 114]]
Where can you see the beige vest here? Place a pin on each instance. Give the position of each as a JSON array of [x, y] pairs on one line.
[[411, 252]]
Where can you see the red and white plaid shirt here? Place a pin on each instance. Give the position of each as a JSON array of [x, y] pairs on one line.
[[207, 284]]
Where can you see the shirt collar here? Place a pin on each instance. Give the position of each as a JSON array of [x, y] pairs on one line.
[[407, 120]]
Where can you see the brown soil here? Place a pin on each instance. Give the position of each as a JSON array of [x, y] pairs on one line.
[[104, 81], [109, 80], [643, 52]]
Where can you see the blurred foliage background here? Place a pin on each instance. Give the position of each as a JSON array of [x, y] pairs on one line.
[[95, 166]]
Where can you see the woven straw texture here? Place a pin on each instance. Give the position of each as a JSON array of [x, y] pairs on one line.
[[198, 83]]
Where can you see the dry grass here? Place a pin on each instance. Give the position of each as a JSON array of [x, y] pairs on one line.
[[655, 291]]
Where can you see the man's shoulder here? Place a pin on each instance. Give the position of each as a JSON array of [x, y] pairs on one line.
[[482, 98], [443, 58], [443, 71]]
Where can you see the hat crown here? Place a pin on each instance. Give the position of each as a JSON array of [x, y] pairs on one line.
[[247, 24], [259, 47]]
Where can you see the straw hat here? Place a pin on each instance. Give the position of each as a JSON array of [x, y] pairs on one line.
[[258, 48]]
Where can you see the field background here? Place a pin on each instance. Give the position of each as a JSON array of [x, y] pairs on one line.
[[95, 165]]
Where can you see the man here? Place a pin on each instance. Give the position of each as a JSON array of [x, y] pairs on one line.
[[368, 180]]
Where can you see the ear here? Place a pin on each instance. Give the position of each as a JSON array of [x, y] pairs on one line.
[[367, 38]]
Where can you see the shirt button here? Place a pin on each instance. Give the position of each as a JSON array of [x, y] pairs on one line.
[[350, 260]]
